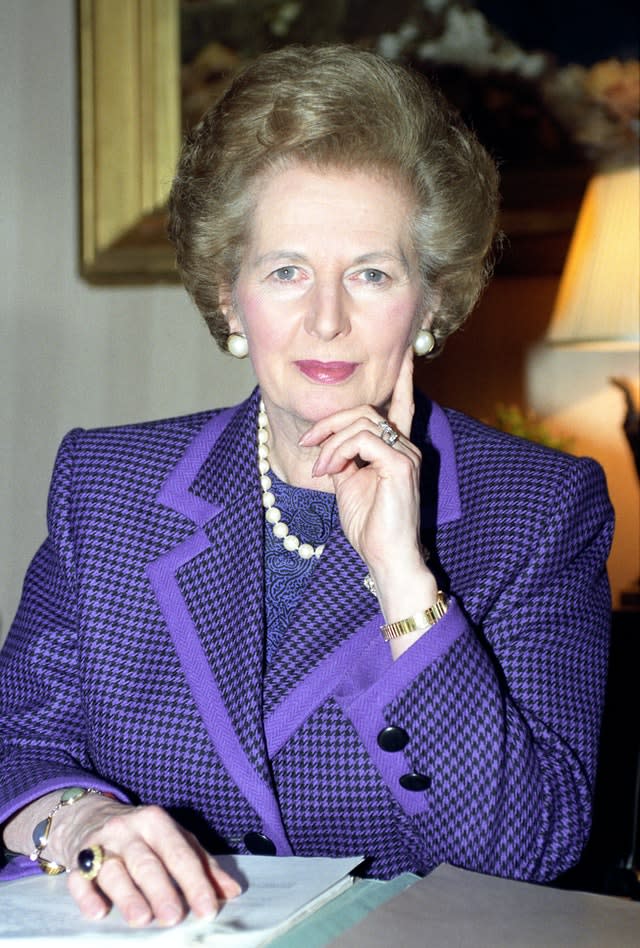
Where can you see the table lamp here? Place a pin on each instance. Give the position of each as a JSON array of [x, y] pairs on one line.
[[598, 303]]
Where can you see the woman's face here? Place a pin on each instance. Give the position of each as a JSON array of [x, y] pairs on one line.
[[329, 294]]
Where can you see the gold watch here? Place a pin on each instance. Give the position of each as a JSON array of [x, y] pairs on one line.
[[419, 621]]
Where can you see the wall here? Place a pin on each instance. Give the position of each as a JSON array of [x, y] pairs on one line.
[[70, 354]]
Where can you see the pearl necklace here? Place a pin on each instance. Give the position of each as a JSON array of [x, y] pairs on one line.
[[272, 514]]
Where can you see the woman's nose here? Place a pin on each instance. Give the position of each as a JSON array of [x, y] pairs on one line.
[[327, 315]]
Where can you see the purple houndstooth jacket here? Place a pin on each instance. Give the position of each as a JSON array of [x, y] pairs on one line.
[[136, 660]]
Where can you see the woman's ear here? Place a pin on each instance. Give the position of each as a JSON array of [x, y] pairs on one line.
[[227, 308], [432, 305], [424, 321]]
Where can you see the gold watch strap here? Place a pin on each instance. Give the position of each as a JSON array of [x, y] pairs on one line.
[[419, 621]]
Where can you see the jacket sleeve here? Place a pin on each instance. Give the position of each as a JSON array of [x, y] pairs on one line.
[[502, 716], [42, 735]]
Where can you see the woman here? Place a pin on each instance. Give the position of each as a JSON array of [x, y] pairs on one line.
[[329, 620]]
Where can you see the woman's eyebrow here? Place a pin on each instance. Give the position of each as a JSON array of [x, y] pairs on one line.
[[379, 256], [273, 256]]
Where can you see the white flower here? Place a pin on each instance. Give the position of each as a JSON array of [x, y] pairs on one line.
[[467, 40], [392, 45]]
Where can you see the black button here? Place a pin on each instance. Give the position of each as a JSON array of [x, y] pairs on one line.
[[393, 739], [415, 782], [259, 844]]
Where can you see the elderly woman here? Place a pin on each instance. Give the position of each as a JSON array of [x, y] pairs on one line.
[[326, 621]]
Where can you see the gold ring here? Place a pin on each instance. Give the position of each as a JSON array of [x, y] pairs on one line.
[[90, 861]]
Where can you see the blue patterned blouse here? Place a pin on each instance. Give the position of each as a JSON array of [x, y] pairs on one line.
[[310, 515]]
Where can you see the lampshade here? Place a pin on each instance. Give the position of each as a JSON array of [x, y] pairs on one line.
[[598, 302]]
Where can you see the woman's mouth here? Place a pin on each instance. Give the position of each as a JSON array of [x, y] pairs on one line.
[[328, 373]]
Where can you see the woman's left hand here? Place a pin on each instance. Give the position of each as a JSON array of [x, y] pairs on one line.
[[377, 485]]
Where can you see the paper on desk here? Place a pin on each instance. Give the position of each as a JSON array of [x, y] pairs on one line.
[[38, 912]]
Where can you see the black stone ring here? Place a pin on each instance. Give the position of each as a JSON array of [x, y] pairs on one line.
[[90, 861]]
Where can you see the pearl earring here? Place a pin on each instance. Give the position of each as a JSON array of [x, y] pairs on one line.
[[237, 345], [424, 342]]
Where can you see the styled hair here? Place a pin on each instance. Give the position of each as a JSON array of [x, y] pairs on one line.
[[335, 107]]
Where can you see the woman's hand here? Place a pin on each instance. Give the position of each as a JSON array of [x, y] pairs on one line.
[[379, 500], [153, 869]]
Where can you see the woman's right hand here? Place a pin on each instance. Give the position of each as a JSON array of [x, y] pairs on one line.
[[153, 868]]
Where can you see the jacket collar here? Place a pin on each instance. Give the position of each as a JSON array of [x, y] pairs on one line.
[[218, 468]]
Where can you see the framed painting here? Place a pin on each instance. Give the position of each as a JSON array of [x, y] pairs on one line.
[[149, 68]]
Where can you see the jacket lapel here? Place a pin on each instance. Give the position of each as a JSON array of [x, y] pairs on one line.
[[210, 589]]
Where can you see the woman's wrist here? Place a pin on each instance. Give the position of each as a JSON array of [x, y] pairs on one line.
[[17, 834], [403, 591], [63, 824], [404, 588]]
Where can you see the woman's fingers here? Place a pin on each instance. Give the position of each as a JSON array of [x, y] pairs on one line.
[[402, 406], [197, 875], [152, 869], [115, 886], [141, 887], [87, 897], [362, 439]]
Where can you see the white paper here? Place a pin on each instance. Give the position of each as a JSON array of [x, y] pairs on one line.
[[38, 912]]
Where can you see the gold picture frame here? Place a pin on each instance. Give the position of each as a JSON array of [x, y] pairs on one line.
[[130, 136]]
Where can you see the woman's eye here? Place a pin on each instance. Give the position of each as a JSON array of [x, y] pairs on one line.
[[373, 276], [285, 274]]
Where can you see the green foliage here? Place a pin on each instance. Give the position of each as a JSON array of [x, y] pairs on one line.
[[513, 420]]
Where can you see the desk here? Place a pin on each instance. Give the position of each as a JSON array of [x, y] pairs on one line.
[[452, 908]]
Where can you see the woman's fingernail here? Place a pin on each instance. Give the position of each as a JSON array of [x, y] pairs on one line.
[[308, 437], [95, 913], [204, 906], [169, 915]]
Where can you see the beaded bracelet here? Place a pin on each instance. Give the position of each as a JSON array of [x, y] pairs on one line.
[[42, 830]]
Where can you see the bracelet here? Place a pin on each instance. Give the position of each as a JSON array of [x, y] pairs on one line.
[[42, 830], [418, 622]]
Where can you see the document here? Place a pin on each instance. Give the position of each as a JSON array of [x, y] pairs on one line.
[[38, 912]]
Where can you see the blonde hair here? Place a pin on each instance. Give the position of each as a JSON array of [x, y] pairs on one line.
[[335, 107]]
